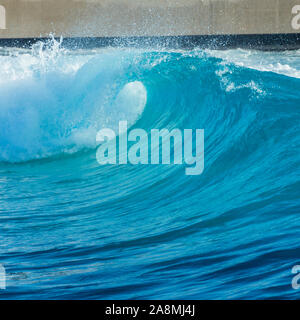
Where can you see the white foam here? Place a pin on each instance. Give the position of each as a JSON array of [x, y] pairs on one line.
[[53, 101], [286, 63]]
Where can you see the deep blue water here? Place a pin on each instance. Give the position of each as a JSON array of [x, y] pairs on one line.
[[72, 229]]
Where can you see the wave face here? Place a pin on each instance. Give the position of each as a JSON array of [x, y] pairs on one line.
[[72, 229]]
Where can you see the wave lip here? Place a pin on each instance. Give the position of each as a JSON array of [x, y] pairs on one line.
[[49, 108]]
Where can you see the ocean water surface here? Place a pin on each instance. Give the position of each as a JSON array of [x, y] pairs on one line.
[[72, 229]]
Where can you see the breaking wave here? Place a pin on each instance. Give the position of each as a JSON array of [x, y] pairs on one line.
[[73, 229]]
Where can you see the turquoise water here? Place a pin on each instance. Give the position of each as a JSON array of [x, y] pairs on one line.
[[72, 229]]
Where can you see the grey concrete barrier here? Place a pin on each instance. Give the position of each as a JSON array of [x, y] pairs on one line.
[[144, 19]]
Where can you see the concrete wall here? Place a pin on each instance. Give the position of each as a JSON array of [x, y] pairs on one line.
[[110, 18]]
